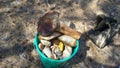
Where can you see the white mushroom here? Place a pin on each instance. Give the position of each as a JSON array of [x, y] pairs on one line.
[[68, 40], [44, 42], [47, 52], [67, 52]]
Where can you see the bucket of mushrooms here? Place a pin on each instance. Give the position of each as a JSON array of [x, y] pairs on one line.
[[56, 43]]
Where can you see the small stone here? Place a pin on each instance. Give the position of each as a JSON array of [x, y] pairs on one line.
[[34, 53]]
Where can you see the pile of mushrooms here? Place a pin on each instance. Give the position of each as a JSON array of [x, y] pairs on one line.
[[56, 39]]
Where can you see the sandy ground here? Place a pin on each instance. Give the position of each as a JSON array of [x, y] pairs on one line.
[[18, 22]]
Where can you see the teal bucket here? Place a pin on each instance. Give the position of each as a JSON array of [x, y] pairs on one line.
[[51, 63]]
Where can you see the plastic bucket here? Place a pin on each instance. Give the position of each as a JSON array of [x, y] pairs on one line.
[[51, 63]]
